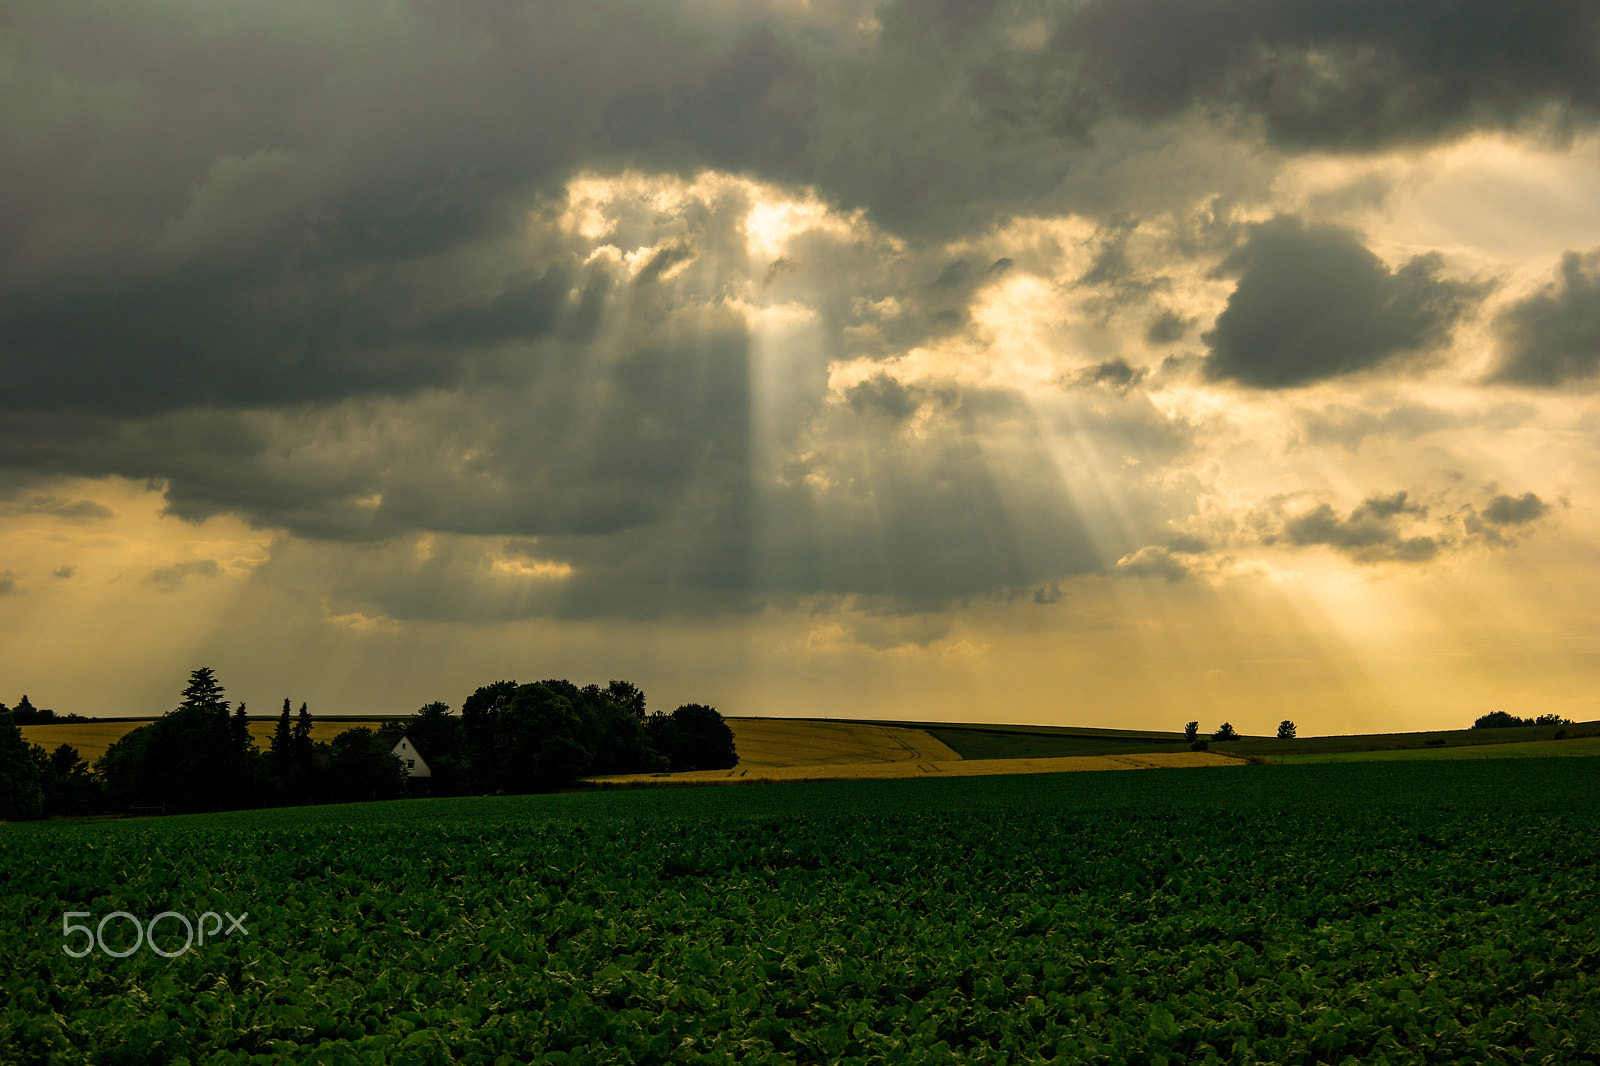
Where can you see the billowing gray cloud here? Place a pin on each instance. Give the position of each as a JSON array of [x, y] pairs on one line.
[[1313, 303], [1370, 533], [1552, 337], [320, 273], [1504, 519], [1328, 75], [1515, 510]]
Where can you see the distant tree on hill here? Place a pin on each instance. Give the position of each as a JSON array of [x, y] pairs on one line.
[[1191, 731], [1502, 720], [25, 713], [1225, 732], [1285, 730]]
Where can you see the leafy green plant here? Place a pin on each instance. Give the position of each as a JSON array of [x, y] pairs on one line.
[[1401, 913]]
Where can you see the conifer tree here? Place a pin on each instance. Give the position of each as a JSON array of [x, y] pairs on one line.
[[282, 748], [302, 736]]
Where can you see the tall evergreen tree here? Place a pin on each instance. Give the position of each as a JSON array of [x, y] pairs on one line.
[[241, 730], [205, 691], [281, 751], [302, 736]]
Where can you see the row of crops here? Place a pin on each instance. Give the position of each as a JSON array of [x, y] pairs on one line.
[[1354, 913]]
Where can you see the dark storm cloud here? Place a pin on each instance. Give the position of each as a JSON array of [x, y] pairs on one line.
[[1553, 336], [1505, 518], [270, 209], [1515, 510], [753, 108], [1313, 303], [1370, 533], [1354, 74], [1397, 528]]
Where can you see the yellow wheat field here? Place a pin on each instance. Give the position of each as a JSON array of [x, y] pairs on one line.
[[783, 750], [779, 742], [770, 749], [93, 738]]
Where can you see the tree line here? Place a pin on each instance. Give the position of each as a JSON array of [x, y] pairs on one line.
[[509, 738]]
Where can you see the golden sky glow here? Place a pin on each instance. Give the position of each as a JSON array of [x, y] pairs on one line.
[[775, 367]]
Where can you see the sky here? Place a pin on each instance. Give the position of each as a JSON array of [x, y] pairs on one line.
[[1116, 363]]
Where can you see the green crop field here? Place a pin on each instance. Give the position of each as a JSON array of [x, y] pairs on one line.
[[1365, 913], [1533, 749]]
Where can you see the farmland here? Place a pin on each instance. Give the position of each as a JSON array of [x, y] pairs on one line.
[[1409, 912], [93, 738]]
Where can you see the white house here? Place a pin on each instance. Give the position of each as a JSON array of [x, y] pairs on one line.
[[415, 765]]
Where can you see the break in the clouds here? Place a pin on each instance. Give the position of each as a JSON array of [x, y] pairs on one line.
[[917, 331]]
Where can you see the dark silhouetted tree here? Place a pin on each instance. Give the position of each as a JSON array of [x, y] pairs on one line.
[[547, 738], [1286, 730], [64, 777], [438, 735], [25, 713], [481, 715], [21, 794], [1225, 732], [281, 750], [694, 737], [193, 758], [1191, 731], [629, 696], [302, 737], [364, 767], [619, 741]]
